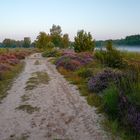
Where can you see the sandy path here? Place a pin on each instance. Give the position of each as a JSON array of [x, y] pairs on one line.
[[63, 113]]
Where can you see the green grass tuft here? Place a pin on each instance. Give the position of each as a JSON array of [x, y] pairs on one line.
[[37, 79], [28, 108]]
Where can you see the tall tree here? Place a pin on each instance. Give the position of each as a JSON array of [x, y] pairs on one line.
[[42, 40], [65, 40], [83, 42], [55, 33], [27, 42], [55, 30]]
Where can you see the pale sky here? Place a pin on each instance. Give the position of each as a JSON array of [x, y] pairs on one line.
[[105, 19]]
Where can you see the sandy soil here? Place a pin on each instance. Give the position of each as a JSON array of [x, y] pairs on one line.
[[63, 114]]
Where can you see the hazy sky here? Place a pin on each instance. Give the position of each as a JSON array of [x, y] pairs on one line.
[[103, 18]]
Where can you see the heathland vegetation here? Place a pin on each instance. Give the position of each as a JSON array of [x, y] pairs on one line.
[[109, 79], [10, 66]]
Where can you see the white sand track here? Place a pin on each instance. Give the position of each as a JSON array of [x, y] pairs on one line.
[[63, 113]]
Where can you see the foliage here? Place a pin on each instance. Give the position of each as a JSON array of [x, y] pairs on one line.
[[42, 40], [73, 61], [119, 90], [10, 43], [128, 40], [26, 42], [109, 46], [68, 63], [83, 42], [100, 81], [131, 56], [133, 40], [55, 33], [55, 30], [6, 78], [51, 53], [111, 100], [84, 72], [134, 96], [94, 100], [128, 107], [111, 57], [10, 66], [50, 45], [129, 114], [65, 41], [54, 39], [8, 60]]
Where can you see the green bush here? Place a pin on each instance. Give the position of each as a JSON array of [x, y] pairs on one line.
[[85, 72], [83, 42], [50, 45], [51, 53], [110, 101], [111, 58], [134, 96]]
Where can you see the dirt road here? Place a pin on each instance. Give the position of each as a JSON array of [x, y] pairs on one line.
[[50, 111]]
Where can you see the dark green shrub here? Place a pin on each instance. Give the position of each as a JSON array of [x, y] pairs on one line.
[[50, 45], [111, 100], [134, 96], [111, 58], [85, 72], [51, 53], [83, 42]]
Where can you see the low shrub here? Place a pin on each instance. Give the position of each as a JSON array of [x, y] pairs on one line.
[[134, 95], [100, 81], [84, 72], [111, 101], [111, 58], [67, 63], [121, 101], [51, 53], [73, 61], [11, 58], [129, 114], [4, 67]]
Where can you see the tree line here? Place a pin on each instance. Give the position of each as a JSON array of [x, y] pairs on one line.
[[10, 43], [128, 40], [83, 41]]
